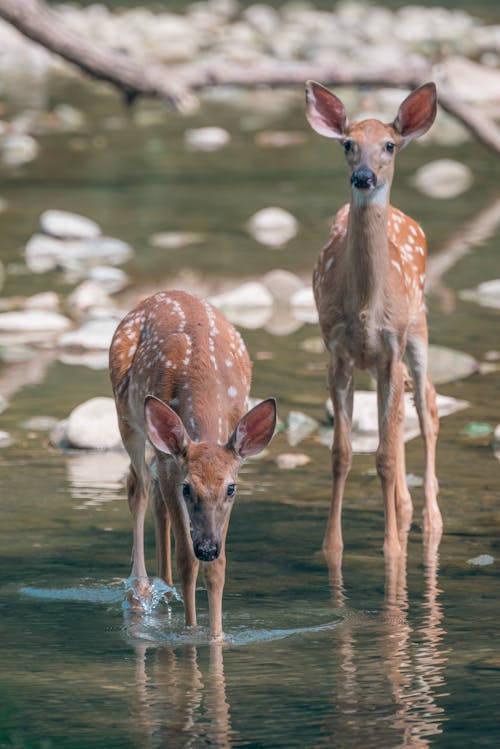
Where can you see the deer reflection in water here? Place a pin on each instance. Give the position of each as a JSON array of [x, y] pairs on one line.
[[390, 700], [178, 700]]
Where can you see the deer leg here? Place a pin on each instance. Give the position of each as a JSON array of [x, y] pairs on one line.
[[341, 390], [138, 483], [215, 576], [390, 387], [404, 505], [163, 540], [425, 403]]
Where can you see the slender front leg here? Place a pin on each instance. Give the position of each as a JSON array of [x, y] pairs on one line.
[[390, 386], [215, 575], [425, 403], [341, 390]]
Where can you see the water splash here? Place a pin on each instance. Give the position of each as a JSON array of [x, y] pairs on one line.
[[155, 593]]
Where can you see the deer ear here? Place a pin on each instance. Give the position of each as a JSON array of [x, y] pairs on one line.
[[325, 112], [164, 428], [254, 430], [417, 113]]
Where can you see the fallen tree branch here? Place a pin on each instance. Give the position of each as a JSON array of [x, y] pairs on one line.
[[175, 85]]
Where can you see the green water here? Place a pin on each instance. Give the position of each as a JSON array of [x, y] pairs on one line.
[[403, 657]]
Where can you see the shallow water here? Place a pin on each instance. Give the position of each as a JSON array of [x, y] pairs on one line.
[[373, 657]]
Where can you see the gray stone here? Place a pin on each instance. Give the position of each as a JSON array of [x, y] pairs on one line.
[[300, 426], [443, 178], [18, 149], [66, 225], [109, 278], [206, 138], [94, 425], [483, 560], [289, 461], [46, 300], [92, 335], [282, 284], [33, 320], [273, 226]]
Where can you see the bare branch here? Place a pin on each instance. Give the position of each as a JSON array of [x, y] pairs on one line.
[[176, 84]]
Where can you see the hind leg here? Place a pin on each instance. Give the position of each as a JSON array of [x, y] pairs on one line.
[[163, 527], [425, 403], [404, 505]]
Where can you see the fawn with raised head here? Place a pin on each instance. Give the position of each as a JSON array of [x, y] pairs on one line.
[[368, 286], [181, 379]]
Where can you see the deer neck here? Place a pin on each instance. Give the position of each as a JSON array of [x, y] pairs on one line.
[[367, 249]]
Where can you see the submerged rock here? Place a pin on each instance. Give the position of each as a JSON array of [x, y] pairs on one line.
[[289, 461], [92, 335], [273, 226], [206, 138], [93, 425], [487, 294], [282, 284], [86, 296], [300, 426], [482, 560], [365, 419], [18, 149], [67, 225], [33, 320], [443, 178], [175, 240], [46, 300], [109, 278], [250, 294], [448, 365], [44, 253], [303, 305]]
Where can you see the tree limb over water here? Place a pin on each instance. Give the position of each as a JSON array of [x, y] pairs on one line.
[[177, 85]]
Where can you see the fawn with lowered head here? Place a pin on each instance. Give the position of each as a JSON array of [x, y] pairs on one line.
[[181, 379], [368, 285]]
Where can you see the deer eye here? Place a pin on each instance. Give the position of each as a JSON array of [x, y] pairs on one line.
[[231, 490], [186, 490], [390, 146], [347, 145]]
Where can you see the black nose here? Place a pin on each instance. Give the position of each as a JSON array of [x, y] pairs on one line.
[[363, 179], [207, 550]]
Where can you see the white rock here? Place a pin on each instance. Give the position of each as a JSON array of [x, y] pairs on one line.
[[206, 138], [272, 226], [33, 320], [303, 305], [18, 149], [94, 425], [92, 335], [109, 278], [66, 225], [46, 300], [487, 294], [44, 253], [289, 461], [300, 426], [443, 178], [482, 560], [448, 365], [40, 423], [87, 295], [174, 240], [250, 294], [282, 284], [6, 439], [365, 418]]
